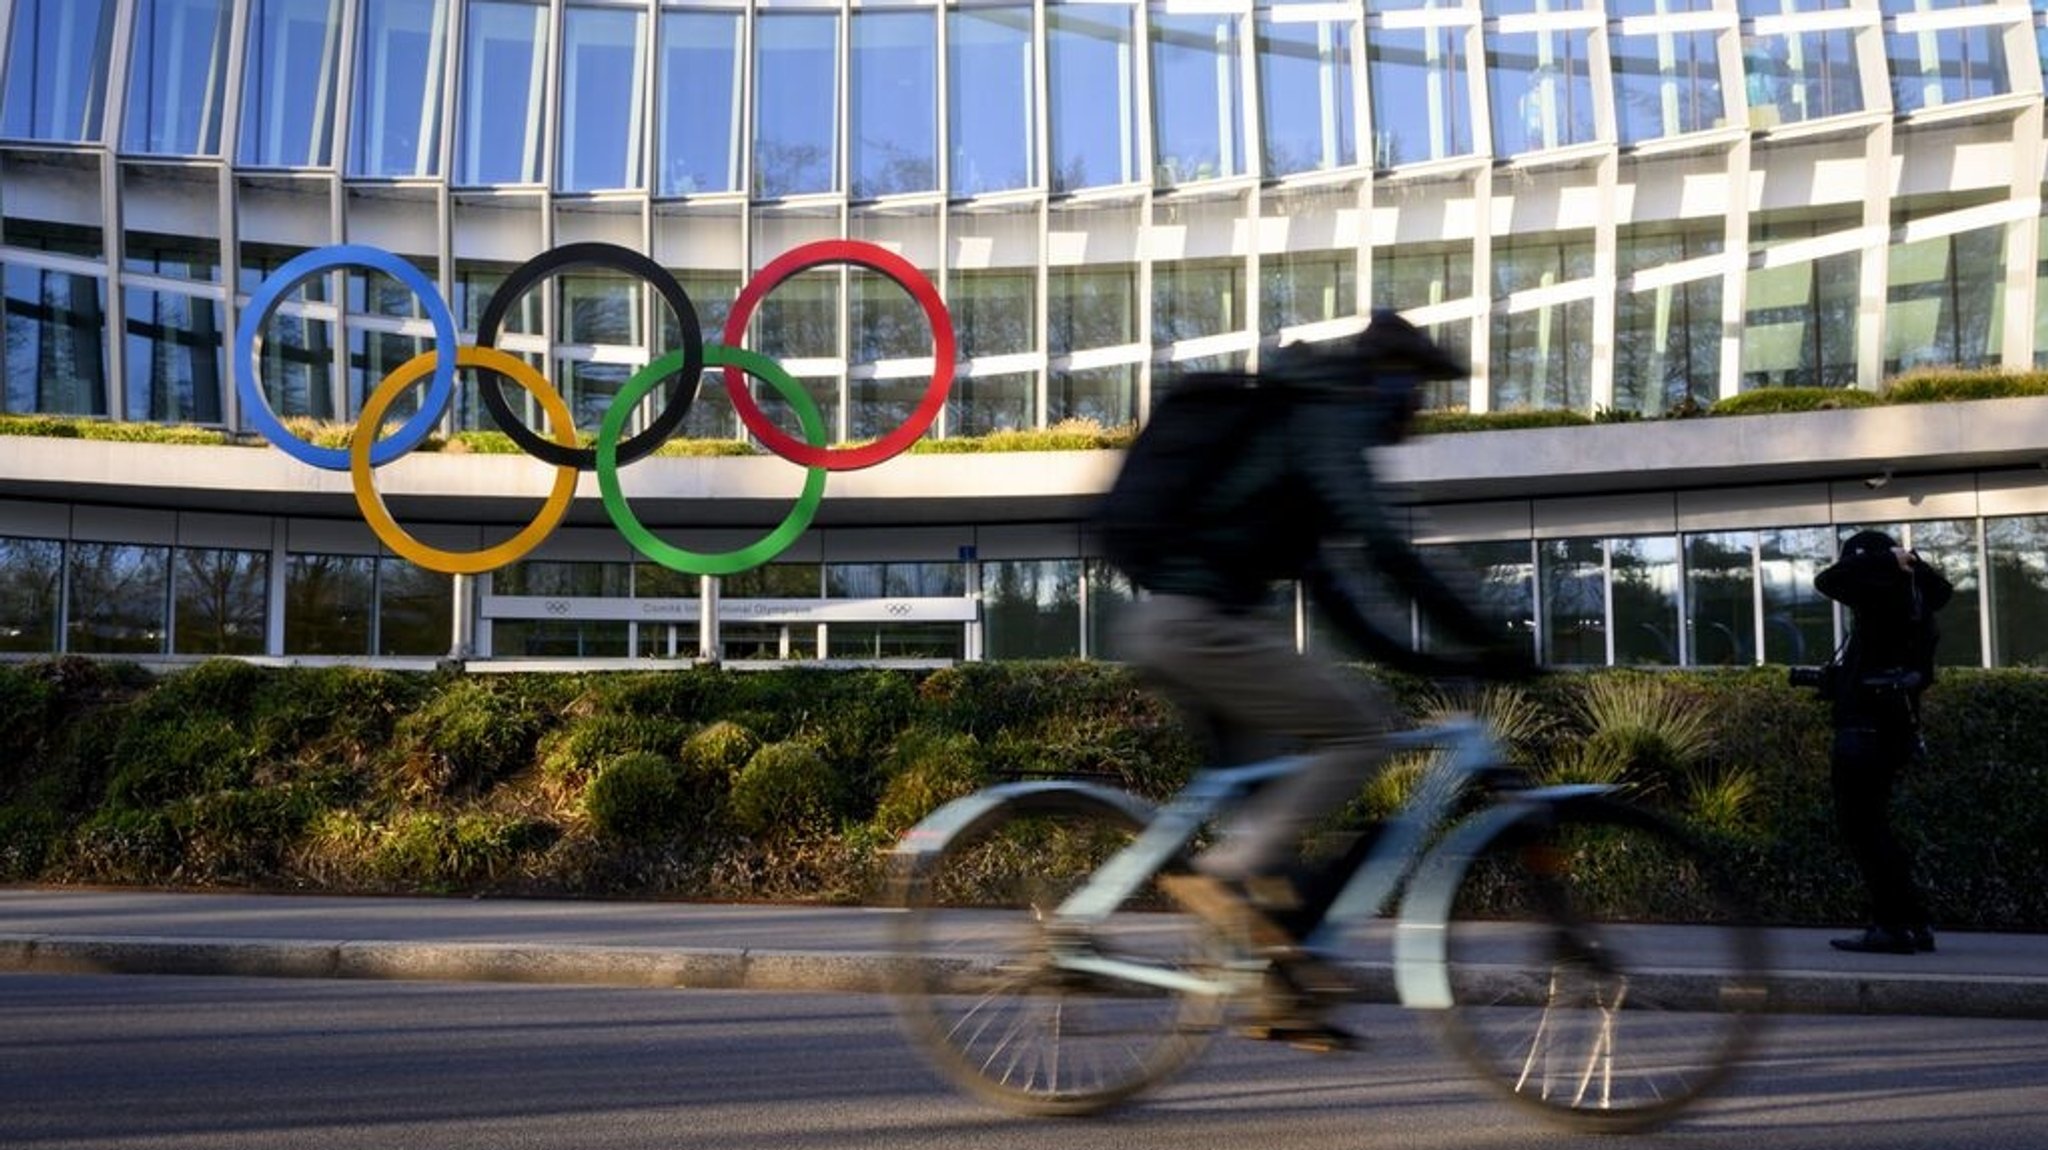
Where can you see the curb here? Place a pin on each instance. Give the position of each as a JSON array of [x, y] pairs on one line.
[[1791, 992]]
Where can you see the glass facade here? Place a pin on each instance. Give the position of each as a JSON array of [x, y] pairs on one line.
[[1167, 128]]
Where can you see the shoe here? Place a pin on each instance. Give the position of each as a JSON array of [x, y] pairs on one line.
[[1880, 940], [1294, 1005], [1229, 910]]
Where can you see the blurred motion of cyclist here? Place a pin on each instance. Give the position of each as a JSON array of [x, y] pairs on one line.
[[1239, 483]]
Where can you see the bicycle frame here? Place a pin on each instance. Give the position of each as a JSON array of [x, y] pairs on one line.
[[1400, 864]]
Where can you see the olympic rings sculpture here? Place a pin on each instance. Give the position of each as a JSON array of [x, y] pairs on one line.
[[682, 369]]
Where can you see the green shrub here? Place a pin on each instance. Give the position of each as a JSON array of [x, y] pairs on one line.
[[27, 704], [467, 736], [719, 750], [638, 798], [159, 759], [1949, 384], [241, 834], [124, 846], [1642, 729], [27, 836], [434, 850], [1068, 435], [1448, 422], [1778, 400], [786, 788], [577, 749], [926, 770], [339, 713]]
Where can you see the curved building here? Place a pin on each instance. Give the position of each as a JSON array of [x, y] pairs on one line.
[[1629, 209]]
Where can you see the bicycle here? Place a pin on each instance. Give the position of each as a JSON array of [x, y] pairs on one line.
[[1043, 969]]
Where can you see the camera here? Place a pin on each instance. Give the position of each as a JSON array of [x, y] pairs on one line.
[[1821, 679]]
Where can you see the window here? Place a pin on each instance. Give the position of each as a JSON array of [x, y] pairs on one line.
[[1720, 598], [1574, 580], [1667, 339], [897, 580], [118, 597], [222, 601], [563, 578], [560, 639], [295, 362], [415, 609], [1950, 545], [56, 324], [1306, 102], [980, 404], [1666, 85], [700, 109], [177, 78], [1306, 287], [1093, 110], [2016, 575], [1932, 69], [604, 69], [1944, 301], [893, 133], [1801, 76], [31, 582], [1031, 609], [1421, 103], [1800, 327], [993, 124], [895, 641], [1197, 89], [1799, 623], [1194, 298], [1103, 395], [399, 62], [1542, 357], [796, 106], [1643, 577], [288, 83], [1506, 581], [504, 53], [57, 70], [329, 602], [175, 357], [1541, 89]]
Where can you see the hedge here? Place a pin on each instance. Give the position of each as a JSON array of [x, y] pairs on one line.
[[793, 783]]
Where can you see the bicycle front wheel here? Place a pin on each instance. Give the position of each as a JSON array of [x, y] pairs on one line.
[[1029, 1011], [1570, 990]]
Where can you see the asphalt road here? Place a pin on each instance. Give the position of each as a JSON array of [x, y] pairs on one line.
[[217, 1063]]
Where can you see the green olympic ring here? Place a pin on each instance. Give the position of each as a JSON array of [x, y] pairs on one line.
[[720, 562]]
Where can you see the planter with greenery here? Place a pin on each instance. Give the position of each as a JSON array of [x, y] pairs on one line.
[[792, 784]]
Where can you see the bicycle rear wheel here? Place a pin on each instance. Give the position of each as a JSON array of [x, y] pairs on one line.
[[987, 985], [1569, 999]]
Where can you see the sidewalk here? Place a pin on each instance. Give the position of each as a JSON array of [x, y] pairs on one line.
[[790, 948]]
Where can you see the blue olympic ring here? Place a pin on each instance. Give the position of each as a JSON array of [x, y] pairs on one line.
[[440, 391]]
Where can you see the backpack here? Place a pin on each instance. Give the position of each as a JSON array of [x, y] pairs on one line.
[[1193, 436]]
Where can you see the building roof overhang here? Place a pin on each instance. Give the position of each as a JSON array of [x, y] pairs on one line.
[[1868, 444]]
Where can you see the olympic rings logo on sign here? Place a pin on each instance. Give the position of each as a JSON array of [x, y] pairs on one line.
[[682, 369]]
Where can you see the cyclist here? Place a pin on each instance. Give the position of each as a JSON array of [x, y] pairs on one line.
[[1283, 477]]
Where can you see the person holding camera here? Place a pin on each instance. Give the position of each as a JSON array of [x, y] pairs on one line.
[[1873, 687]]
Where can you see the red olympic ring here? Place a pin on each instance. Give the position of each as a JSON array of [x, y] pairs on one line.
[[874, 258]]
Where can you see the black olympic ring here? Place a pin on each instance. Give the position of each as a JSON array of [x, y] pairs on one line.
[[681, 393]]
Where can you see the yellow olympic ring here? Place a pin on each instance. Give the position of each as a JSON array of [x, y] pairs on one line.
[[372, 503]]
